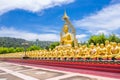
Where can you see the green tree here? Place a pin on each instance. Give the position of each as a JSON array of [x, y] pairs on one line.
[[113, 38], [3, 50], [47, 48], [19, 49], [11, 50], [101, 38], [53, 45], [34, 47]]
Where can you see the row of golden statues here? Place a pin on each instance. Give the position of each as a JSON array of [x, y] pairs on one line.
[[107, 51]]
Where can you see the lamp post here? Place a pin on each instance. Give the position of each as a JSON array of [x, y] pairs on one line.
[[25, 44]]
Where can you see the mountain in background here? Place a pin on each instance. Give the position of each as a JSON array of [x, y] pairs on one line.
[[17, 42]]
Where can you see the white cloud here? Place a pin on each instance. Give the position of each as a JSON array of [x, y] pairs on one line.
[[11, 32], [47, 29], [107, 19], [118, 35], [102, 32], [115, 1], [30, 5], [81, 36]]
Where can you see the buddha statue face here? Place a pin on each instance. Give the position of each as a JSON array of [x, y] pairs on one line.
[[65, 29]]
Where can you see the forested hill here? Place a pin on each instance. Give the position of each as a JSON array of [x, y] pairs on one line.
[[10, 42], [16, 42]]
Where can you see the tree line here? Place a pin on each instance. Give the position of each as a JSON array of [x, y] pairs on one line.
[[12, 45], [18, 49], [101, 38]]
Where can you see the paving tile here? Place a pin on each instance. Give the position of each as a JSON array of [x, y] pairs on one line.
[[42, 74], [2, 71], [18, 68], [9, 77], [79, 78]]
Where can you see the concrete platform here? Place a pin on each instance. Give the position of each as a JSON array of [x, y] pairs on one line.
[[14, 71]]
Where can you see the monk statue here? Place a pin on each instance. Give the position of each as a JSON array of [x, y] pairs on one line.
[[66, 37], [102, 51], [92, 51], [114, 49], [118, 55], [107, 43]]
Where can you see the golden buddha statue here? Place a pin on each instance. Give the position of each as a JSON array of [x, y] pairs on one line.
[[118, 55], [66, 39], [108, 49], [97, 49], [68, 33], [102, 51], [114, 49], [76, 51], [80, 50], [92, 51], [107, 43], [84, 51], [119, 47]]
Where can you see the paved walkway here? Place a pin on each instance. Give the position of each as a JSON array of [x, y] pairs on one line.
[[12, 71]]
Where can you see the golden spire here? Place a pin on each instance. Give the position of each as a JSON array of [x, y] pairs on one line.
[[65, 16]]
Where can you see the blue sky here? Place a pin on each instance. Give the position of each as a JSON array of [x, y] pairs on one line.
[[38, 19]]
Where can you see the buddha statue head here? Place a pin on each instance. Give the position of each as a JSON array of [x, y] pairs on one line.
[[111, 43], [84, 46], [65, 28], [114, 44], [101, 45], [107, 42], [91, 46], [97, 45], [108, 47]]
